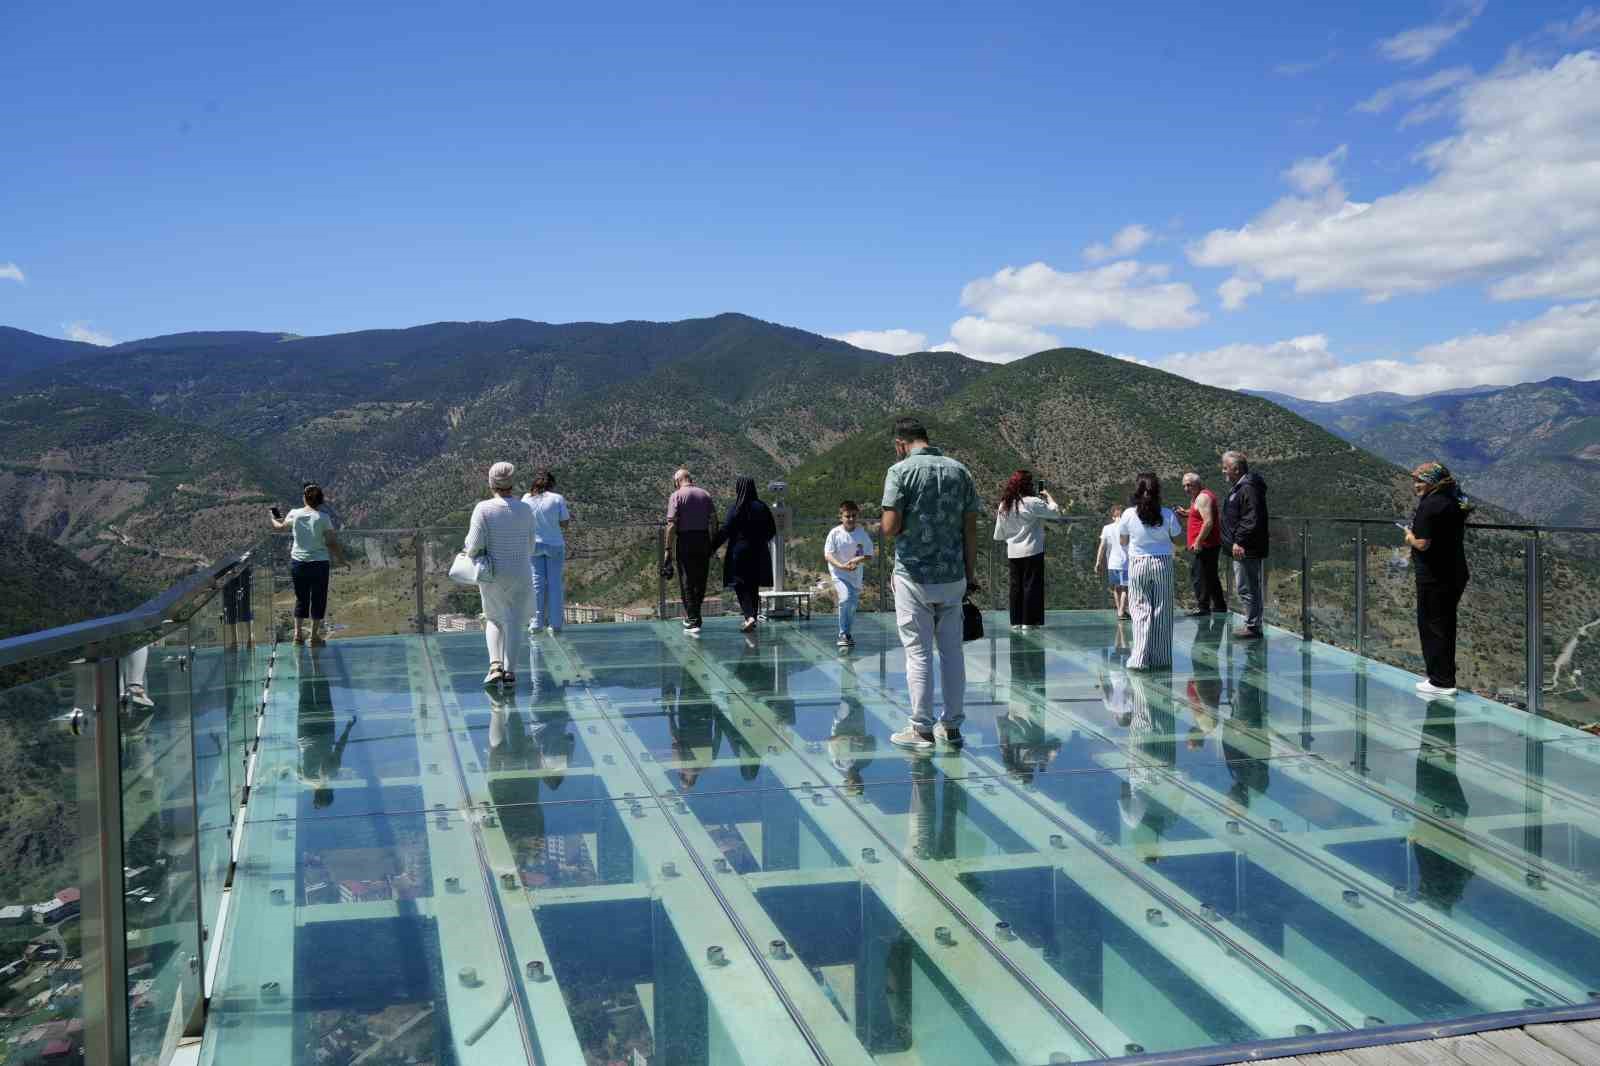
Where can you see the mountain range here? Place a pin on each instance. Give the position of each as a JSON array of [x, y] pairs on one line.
[[1532, 448]]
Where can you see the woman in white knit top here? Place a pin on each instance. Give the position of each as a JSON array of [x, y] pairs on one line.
[[502, 528]]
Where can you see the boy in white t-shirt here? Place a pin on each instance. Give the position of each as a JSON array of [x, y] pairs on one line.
[[847, 550], [1112, 559]]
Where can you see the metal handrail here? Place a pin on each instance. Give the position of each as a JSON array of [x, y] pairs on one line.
[[175, 605]]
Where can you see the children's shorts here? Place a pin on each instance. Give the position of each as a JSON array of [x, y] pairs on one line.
[[1117, 578]]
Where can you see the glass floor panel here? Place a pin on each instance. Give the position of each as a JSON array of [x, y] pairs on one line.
[[661, 850]]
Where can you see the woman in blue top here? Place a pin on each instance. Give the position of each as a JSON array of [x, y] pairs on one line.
[[550, 520], [315, 548]]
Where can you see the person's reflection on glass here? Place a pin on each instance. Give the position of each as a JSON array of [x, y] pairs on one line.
[[849, 746], [321, 755], [554, 743], [693, 728], [134, 668], [1441, 880], [509, 747], [1243, 749], [930, 824], [1204, 690], [1026, 747], [1152, 746]]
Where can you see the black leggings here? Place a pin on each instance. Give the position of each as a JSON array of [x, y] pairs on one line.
[[749, 594], [1437, 604], [310, 589], [1027, 590]]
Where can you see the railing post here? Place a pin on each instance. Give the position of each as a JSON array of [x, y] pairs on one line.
[[1361, 589], [661, 576], [104, 924], [1305, 582], [1533, 622], [417, 545]]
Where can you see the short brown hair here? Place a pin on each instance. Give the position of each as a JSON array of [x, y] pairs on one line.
[[849, 505]]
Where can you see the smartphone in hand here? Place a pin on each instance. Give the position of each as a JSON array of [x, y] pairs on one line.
[[276, 512]]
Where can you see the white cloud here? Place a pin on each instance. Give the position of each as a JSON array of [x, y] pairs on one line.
[[892, 341], [11, 272], [1512, 200], [1235, 291], [1294, 69], [1316, 173], [1583, 25], [1125, 242], [1563, 341], [1128, 293], [1415, 89], [1421, 43], [81, 331], [996, 342]]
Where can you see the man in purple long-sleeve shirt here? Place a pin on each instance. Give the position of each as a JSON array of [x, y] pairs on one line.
[[691, 520]]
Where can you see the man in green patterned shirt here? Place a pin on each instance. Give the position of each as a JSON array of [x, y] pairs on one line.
[[930, 508]]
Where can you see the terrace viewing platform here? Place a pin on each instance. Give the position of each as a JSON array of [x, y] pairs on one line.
[[656, 849]]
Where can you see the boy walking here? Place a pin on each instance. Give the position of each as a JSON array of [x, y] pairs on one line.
[[847, 550]]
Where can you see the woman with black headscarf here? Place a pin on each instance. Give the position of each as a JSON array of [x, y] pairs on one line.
[[747, 531], [1437, 537]]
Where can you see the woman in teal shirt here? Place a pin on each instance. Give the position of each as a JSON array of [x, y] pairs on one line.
[[315, 548]]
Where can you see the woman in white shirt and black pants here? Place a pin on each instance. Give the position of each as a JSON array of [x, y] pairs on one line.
[[1148, 530], [1020, 523]]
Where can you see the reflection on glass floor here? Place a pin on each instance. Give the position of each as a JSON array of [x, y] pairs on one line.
[[660, 851]]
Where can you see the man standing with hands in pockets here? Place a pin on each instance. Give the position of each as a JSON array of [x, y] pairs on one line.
[[1244, 533], [930, 507]]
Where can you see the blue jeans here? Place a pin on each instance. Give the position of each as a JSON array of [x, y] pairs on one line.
[[849, 599], [549, 560]]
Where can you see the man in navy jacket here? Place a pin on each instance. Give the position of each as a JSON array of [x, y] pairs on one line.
[[1244, 536]]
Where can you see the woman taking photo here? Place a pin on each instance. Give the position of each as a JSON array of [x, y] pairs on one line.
[[1147, 530], [748, 530], [1020, 523], [502, 529], [313, 552], [1438, 556], [550, 520]]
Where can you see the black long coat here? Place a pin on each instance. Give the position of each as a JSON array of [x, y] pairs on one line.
[[747, 534]]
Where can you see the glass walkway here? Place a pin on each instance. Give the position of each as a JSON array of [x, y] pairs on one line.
[[658, 850]]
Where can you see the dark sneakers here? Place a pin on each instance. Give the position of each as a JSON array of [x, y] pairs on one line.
[[951, 735], [1245, 633]]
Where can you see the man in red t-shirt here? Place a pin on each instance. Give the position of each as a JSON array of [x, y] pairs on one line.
[[1205, 541]]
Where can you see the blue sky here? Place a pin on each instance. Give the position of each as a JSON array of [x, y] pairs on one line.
[[839, 167]]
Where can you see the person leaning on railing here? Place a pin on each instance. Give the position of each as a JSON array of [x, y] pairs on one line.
[[1437, 537], [316, 547]]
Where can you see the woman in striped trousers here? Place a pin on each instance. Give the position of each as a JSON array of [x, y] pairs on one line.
[[1148, 530]]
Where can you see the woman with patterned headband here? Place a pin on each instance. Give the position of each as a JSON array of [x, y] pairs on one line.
[[1437, 537]]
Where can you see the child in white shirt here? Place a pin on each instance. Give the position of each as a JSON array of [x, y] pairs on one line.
[[847, 550]]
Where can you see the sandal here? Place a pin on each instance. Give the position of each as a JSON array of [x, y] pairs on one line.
[[495, 674]]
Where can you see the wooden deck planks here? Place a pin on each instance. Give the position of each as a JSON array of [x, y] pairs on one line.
[[1569, 1040], [1556, 1044]]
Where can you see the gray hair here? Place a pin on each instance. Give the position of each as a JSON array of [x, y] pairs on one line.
[[500, 475], [1236, 460], [1191, 476]]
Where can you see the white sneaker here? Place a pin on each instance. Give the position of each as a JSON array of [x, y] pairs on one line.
[[1428, 688], [693, 631], [910, 738]]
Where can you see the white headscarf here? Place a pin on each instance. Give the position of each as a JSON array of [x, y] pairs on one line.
[[500, 475]]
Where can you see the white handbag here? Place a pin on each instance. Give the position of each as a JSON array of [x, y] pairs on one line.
[[473, 569]]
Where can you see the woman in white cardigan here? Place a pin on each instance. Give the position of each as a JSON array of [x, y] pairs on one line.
[[1020, 523], [502, 528]]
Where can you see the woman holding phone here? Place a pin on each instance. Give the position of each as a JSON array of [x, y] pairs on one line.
[[1437, 538], [311, 555]]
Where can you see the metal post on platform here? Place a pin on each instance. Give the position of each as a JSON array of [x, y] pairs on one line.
[[1361, 589], [102, 919], [1533, 622], [661, 572], [1305, 582], [784, 517], [416, 542]]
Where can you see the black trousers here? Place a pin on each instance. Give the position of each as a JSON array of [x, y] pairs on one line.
[[1208, 594], [1027, 590], [1436, 625], [749, 594], [694, 560], [310, 589]]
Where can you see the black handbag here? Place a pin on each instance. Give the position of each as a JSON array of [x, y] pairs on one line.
[[971, 622], [667, 569]]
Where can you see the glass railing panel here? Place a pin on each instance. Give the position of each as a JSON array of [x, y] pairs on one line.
[[1391, 615], [222, 696], [49, 863], [612, 574], [1282, 586], [1569, 590], [162, 881], [1491, 657], [1331, 554]]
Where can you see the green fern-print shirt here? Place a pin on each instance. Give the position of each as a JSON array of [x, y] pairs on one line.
[[933, 494]]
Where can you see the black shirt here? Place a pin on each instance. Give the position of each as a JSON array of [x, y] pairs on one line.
[[1441, 522]]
